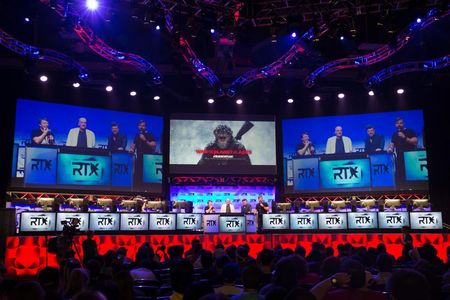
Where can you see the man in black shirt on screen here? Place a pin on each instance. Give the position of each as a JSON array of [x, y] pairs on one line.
[[43, 135], [144, 143], [245, 208], [262, 208], [116, 141]]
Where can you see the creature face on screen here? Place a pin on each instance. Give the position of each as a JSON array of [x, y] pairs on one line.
[[226, 149]]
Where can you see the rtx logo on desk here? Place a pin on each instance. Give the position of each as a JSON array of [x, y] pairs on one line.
[[162, 222], [129, 221], [275, 221], [189, 221], [303, 221], [362, 220], [84, 169], [333, 221], [393, 219], [104, 221], [37, 221]]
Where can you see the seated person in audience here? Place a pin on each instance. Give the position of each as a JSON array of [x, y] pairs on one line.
[[227, 207], [230, 274], [246, 208], [209, 208]]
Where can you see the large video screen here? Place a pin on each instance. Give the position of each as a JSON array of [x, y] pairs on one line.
[[222, 145], [65, 147], [366, 152]]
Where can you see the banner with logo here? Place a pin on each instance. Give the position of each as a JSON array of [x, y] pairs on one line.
[[232, 224], [251, 225], [40, 165], [362, 220], [131, 221], [189, 222], [275, 221], [162, 221], [104, 221], [426, 220], [37, 221], [122, 169], [306, 173], [152, 168], [389, 220], [83, 220], [333, 221], [345, 173], [416, 166], [303, 221], [82, 169]]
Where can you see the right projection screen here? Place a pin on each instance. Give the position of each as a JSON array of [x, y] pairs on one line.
[[365, 152]]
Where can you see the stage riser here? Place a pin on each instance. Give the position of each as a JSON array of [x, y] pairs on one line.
[[26, 255]]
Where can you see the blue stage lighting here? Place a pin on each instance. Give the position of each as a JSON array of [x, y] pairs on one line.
[[158, 27], [419, 20], [294, 34], [212, 30], [92, 4]]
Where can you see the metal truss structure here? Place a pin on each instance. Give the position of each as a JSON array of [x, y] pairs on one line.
[[97, 45], [37, 53], [32, 196], [380, 54], [406, 198], [211, 180], [408, 67]]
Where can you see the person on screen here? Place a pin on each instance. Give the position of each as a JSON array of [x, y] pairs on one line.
[[404, 139], [81, 137], [338, 143], [144, 142], [245, 208], [227, 207], [43, 135], [261, 208], [373, 142], [225, 142], [116, 141], [306, 147], [209, 208]]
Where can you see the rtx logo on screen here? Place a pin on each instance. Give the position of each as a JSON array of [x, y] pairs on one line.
[[304, 220], [163, 221], [333, 220], [380, 169], [427, 220], [105, 221], [39, 221], [277, 220], [233, 223], [304, 173], [120, 169], [135, 221], [41, 165], [211, 223], [250, 222], [363, 219], [189, 220], [88, 168], [348, 173]]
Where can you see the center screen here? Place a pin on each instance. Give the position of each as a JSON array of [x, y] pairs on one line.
[[65, 147], [222, 145], [367, 152]]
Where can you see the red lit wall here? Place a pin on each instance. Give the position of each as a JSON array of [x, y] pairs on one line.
[[26, 255]]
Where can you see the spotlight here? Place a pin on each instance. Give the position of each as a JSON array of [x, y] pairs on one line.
[[92, 4], [239, 101], [400, 91], [341, 95], [158, 27], [156, 98], [341, 38], [76, 84], [43, 78], [109, 88], [212, 30], [133, 93], [210, 100], [316, 98], [294, 34], [27, 20], [371, 93], [290, 100], [419, 20]]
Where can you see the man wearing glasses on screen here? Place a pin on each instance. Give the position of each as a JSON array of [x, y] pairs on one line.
[[43, 135]]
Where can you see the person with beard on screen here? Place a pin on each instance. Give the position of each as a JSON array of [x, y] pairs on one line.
[[216, 153]]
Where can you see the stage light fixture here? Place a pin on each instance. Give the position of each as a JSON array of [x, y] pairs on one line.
[[158, 27], [156, 98], [371, 93], [239, 101], [210, 100], [76, 84], [419, 20], [290, 100], [212, 30], [109, 88], [400, 91], [27, 20], [316, 98], [341, 95], [92, 4], [294, 34], [43, 78], [133, 93], [341, 38]]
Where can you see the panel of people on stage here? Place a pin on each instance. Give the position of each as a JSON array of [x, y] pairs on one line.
[[403, 139]]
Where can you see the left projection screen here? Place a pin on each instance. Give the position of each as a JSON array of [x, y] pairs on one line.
[[65, 147]]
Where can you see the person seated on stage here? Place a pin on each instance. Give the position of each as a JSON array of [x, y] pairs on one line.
[[227, 207], [338, 143], [80, 136], [246, 208], [209, 208]]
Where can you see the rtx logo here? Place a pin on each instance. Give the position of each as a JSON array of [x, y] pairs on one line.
[[304, 173], [211, 223], [250, 222], [41, 165], [304, 221], [85, 169], [363, 220], [276, 221], [423, 164], [105, 221], [234, 223], [158, 167], [163, 221], [394, 219], [189, 221], [333, 220], [347, 173], [70, 220], [427, 220], [120, 169], [39, 221], [380, 169], [135, 221]]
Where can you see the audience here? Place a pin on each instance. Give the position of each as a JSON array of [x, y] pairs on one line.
[[232, 273]]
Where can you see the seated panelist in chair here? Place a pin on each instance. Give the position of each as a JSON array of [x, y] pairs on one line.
[[227, 207], [209, 208]]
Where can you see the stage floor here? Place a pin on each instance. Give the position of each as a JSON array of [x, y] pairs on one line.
[[26, 255]]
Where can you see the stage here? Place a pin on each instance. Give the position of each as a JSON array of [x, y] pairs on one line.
[[26, 255]]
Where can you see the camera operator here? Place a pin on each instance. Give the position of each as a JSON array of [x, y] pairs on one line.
[[65, 242]]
